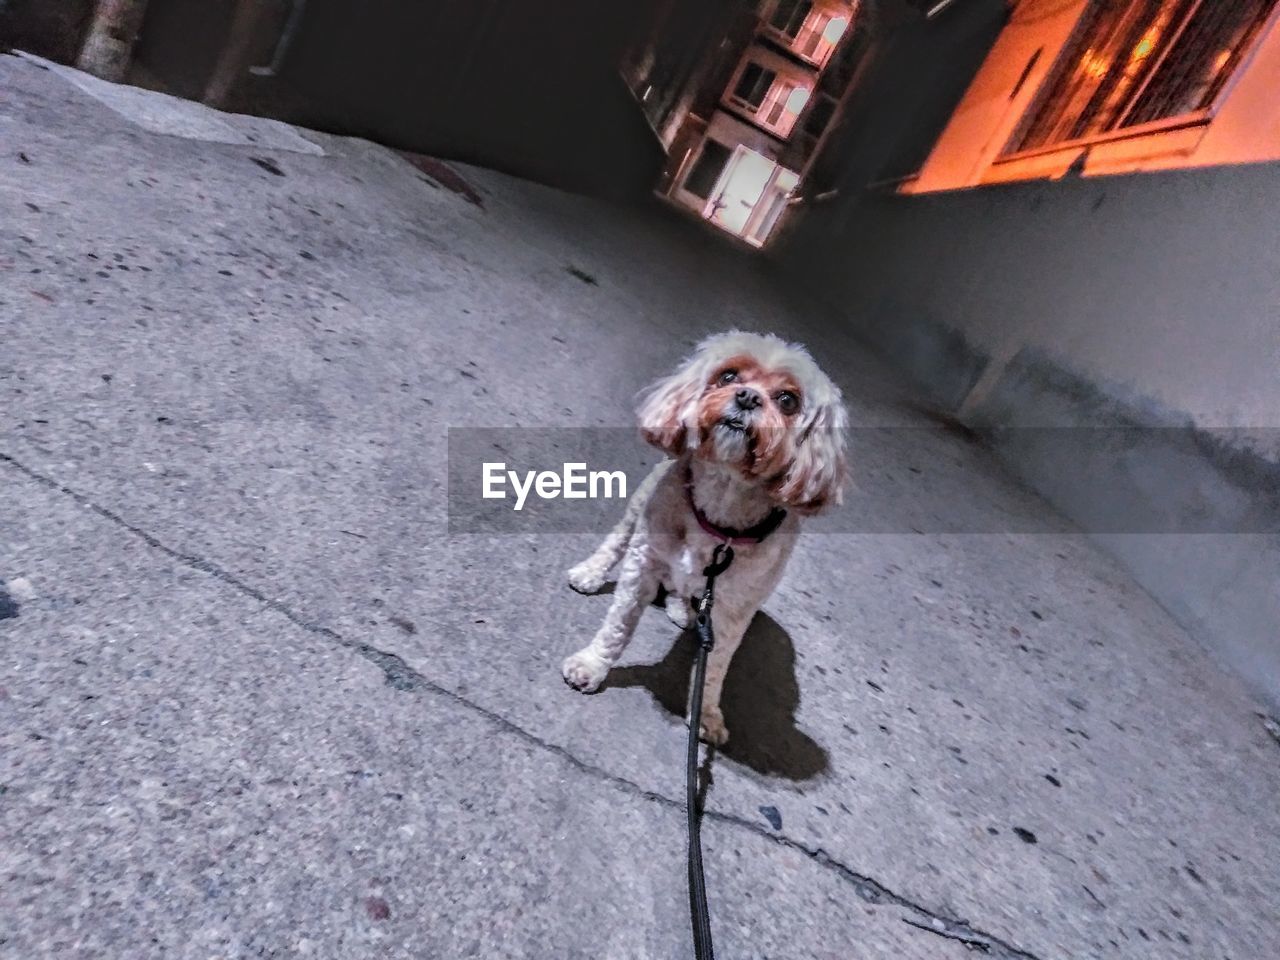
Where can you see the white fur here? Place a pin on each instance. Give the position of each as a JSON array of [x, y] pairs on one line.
[[659, 542]]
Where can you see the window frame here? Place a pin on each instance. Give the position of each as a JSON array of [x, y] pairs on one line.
[[1201, 117], [826, 50], [776, 6], [742, 103], [755, 115]]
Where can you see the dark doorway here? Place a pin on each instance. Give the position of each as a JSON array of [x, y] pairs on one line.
[[706, 171]]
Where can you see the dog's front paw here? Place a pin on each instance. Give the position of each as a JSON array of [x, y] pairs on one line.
[[584, 671], [712, 729], [586, 577], [677, 608]]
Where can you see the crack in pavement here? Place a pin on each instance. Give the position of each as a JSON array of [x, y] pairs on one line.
[[401, 676]]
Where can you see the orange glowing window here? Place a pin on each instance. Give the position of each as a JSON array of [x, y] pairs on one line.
[[1135, 62], [1094, 66]]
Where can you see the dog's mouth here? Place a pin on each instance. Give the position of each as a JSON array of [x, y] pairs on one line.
[[733, 440]]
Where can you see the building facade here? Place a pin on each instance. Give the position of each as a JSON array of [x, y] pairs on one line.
[[1085, 237], [1119, 86], [742, 101]]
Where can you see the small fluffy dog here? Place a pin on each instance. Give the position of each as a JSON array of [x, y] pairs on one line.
[[756, 433]]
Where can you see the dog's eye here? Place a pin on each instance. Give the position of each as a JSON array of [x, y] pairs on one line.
[[728, 377], [788, 402]]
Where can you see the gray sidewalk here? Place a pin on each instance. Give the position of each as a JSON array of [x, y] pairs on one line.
[[255, 701]]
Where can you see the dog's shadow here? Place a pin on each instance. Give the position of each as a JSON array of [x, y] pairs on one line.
[[759, 700]]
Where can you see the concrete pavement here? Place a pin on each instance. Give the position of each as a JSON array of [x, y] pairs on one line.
[[256, 701]]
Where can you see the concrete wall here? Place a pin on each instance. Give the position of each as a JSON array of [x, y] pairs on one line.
[[1148, 302], [521, 86], [1162, 288], [53, 30]]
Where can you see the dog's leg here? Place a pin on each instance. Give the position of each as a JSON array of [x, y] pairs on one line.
[[678, 611], [730, 626], [637, 586], [591, 574]]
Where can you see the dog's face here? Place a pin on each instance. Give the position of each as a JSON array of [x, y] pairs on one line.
[[760, 405]]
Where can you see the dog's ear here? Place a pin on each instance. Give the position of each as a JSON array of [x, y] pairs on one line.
[[815, 479], [667, 407]]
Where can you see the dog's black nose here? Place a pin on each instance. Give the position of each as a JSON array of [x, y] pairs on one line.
[[747, 399]]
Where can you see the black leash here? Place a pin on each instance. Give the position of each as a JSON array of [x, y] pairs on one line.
[[721, 557]]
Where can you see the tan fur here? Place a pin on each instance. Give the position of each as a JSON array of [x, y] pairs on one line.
[[745, 458]]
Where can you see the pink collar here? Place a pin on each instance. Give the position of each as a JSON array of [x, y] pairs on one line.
[[754, 534]]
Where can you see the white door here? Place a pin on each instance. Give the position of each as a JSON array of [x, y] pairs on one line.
[[740, 188], [769, 209]]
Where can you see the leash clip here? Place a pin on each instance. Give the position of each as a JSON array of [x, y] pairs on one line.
[[721, 557]]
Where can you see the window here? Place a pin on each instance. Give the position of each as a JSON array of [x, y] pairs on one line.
[[783, 104], [771, 100], [790, 15], [1134, 62], [815, 123], [811, 33], [752, 86], [820, 35]]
